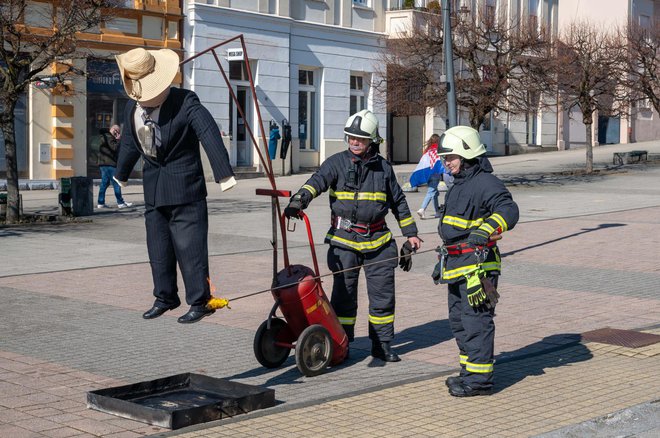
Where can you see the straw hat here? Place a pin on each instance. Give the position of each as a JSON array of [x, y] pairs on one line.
[[147, 73]]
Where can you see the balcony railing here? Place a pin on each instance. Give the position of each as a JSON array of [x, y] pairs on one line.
[[164, 6], [432, 6]]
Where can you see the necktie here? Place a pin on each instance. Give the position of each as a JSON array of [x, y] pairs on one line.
[[152, 125]]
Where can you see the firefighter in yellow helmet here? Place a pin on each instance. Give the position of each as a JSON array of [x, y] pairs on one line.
[[362, 188], [478, 209]]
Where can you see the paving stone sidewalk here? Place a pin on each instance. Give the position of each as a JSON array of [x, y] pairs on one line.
[[72, 298]]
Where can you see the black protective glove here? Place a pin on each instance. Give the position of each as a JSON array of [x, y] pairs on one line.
[[478, 237], [405, 261], [297, 203], [294, 208]]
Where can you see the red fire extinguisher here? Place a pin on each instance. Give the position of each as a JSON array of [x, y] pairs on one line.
[[310, 325]]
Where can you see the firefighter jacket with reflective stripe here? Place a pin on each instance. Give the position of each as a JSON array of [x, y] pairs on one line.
[[361, 191], [478, 199]]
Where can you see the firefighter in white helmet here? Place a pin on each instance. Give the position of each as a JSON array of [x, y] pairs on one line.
[[478, 209], [362, 188]]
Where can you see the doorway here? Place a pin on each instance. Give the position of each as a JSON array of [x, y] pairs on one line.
[[238, 131]]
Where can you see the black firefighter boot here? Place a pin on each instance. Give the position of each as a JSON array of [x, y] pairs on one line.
[[383, 351]]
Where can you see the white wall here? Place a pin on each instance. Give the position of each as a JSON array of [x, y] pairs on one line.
[[278, 46], [608, 13]]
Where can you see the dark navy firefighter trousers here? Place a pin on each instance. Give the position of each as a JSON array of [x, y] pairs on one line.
[[474, 330], [380, 288]]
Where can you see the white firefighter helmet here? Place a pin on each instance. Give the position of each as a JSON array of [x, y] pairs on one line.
[[463, 141], [363, 124]]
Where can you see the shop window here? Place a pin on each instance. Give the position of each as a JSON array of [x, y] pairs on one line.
[[533, 17], [307, 109], [122, 25], [238, 71], [152, 28], [20, 134], [106, 100], [306, 77], [39, 14], [172, 30], [358, 94], [489, 12]]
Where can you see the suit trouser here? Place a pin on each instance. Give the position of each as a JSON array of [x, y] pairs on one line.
[[474, 330], [380, 288], [179, 233]]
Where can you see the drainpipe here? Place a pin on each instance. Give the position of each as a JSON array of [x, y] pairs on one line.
[[449, 65]]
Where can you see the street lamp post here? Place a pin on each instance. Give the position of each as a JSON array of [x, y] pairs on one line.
[[449, 65]]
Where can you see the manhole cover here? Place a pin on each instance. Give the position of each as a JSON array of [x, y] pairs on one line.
[[624, 338]]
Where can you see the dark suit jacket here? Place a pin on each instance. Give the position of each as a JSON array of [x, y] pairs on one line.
[[175, 176]]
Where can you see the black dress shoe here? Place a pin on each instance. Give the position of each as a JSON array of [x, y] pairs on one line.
[[195, 315], [156, 311], [383, 351], [464, 390], [453, 381]]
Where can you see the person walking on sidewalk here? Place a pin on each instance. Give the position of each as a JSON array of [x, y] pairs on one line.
[[363, 188], [437, 175], [478, 208], [167, 126], [107, 162]]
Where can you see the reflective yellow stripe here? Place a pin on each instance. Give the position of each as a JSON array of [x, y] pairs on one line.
[[310, 189], [461, 223], [381, 319], [407, 221], [481, 368], [361, 196], [462, 359], [359, 246], [458, 272], [346, 321], [487, 228], [465, 270], [492, 266], [500, 221]]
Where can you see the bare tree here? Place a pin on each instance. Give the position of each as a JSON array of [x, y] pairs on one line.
[[410, 67], [493, 57], [28, 50], [642, 63], [587, 68]]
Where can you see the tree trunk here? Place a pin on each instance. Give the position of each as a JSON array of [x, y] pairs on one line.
[[7, 126], [590, 150]]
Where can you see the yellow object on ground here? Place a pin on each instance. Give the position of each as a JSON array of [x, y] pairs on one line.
[[217, 303]]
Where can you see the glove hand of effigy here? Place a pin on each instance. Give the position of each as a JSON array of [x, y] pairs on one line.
[[492, 295], [405, 259], [478, 237]]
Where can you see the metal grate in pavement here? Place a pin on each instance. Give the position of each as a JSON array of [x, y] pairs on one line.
[[624, 338]]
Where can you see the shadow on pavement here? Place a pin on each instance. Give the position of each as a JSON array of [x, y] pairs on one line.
[[584, 230], [423, 336], [550, 352]]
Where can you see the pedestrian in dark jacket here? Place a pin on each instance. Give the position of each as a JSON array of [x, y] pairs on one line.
[[107, 161], [363, 189], [478, 209], [165, 127]]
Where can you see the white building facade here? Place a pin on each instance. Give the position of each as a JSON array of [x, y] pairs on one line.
[[312, 63], [640, 122]]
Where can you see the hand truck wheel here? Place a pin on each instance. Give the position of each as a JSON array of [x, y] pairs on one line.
[[313, 350], [267, 353]]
